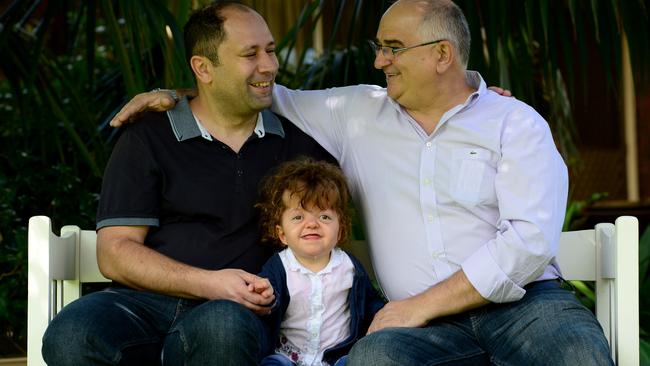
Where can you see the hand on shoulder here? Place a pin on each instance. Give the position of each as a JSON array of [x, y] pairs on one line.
[[499, 90], [157, 101]]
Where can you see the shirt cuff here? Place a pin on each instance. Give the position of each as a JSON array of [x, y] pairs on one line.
[[489, 280], [127, 221]]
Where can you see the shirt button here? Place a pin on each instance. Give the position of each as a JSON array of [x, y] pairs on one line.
[[240, 173], [429, 144], [430, 218], [427, 181]]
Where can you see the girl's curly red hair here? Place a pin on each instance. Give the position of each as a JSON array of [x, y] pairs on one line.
[[315, 183]]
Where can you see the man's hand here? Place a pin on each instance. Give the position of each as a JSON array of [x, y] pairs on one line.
[[403, 313], [501, 91], [157, 101], [233, 284], [451, 296]]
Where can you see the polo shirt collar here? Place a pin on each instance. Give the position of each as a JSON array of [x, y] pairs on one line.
[[270, 123], [186, 127], [182, 121]]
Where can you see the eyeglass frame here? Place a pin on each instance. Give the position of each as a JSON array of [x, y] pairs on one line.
[[394, 51]]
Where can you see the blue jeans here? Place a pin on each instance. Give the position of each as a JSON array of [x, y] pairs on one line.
[[120, 326], [548, 326], [279, 360]]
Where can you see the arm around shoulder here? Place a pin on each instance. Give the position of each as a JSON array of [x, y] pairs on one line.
[[158, 100]]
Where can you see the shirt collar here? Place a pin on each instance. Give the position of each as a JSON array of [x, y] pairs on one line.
[[204, 133], [182, 121], [186, 126], [295, 266], [269, 122], [474, 80]]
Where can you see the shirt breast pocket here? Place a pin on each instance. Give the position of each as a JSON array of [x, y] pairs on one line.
[[472, 176]]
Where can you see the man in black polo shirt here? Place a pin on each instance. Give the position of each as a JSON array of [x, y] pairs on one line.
[[176, 224]]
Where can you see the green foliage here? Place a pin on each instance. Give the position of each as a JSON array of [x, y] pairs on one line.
[[574, 212], [39, 174], [70, 66]]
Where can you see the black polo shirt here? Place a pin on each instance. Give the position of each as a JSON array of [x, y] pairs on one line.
[[196, 195]]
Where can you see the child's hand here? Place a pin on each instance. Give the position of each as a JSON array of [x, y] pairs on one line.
[[261, 286]]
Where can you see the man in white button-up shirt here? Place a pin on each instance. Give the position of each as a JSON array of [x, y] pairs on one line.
[[463, 193]]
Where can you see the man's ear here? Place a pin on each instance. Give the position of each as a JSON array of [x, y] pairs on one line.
[[280, 233], [202, 68], [445, 55]]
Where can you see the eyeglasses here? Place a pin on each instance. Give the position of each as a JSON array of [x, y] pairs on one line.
[[388, 51]]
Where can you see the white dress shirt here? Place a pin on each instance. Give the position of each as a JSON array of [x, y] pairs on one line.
[[318, 315], [485, 192]]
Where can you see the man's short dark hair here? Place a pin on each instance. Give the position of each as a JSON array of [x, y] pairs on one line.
[[203, 32]]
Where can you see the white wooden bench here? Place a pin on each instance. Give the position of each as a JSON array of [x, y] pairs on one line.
[[607, 254]]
